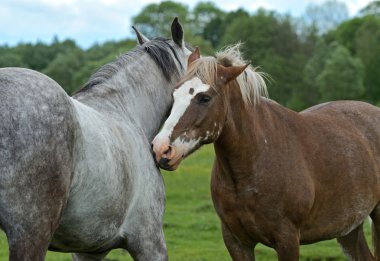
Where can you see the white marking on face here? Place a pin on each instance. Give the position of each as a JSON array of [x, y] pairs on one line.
[[183, 146], [182, 99]]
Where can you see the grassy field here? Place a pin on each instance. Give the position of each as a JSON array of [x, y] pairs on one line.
[[191, 226]]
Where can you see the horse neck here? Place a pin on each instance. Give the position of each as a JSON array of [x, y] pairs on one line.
[[134, 95], [250, 132]]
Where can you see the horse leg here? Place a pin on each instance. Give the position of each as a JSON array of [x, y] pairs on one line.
[[29, 231], [88, 257], [375, 216], [355, 246], [237, 250], [287, 243], [29, 227], [27, 248], [31, 205]]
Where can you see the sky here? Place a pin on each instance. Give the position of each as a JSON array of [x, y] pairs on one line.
[[96, 21]]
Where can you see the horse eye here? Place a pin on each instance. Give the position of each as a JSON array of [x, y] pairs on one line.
[[203, 99]]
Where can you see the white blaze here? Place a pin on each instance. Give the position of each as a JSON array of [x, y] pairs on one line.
[[182, 99]]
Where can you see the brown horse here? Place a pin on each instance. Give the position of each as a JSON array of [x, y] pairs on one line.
[[280, 178]]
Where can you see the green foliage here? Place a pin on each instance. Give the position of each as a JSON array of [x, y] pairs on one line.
[[205, 46], [97, 56], [294, 55], [345, 33], [308, 94], [9, 58], [155, 19], [64, 61], [362, 37], [342, 76], [202, 14], [332, 73], [64, 66], [367, 43], [271, 42], [373, 8]]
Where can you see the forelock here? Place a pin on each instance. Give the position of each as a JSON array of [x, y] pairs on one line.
[[251, 82]]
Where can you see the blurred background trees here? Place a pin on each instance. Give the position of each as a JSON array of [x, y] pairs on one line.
[[322, 55]]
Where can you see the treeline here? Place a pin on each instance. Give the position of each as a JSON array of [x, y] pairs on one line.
[[64, 61], [319, 56]]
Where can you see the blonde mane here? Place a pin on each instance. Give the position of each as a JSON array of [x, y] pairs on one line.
[[251, 82]]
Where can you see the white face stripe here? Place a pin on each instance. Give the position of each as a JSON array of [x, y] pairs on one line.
[[182, 99], [183, 146]]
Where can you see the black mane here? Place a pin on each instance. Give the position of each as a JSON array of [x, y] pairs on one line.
[[158, 49]]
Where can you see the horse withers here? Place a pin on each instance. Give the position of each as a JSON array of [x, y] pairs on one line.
[[280, 178], [76, 173]]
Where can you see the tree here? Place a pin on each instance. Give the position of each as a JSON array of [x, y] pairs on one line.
[[35, 56], [64, 66], [97, 56], [373, 8], [81, 76], [325, 16], [308, 94], [271, 42], [216, 27], [332, 73], [345, 33], [155, 19], [202, 14], [342, 76], [361, 36], [38, 56], [367, 45], [9, 58]]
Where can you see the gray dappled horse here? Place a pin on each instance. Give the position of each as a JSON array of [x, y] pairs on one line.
[[77, 174]]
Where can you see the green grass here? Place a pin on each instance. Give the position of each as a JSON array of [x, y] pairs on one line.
[[191, 225]]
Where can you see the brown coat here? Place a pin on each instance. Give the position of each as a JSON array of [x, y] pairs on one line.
[[280, 178]]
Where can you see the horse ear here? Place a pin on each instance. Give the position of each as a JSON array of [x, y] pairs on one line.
[[195, 55], [177, 32], [140, 37], [231, 73]]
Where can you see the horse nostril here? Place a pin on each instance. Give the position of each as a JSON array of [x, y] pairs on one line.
[[166, 152], [164, 161]]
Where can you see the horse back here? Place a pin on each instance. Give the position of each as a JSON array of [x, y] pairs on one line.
[[343, 138], [358, 122], [341, 148]]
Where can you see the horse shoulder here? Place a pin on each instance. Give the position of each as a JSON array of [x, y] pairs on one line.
[[114, 168]]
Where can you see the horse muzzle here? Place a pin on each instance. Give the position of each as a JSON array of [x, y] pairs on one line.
[[165, 155]]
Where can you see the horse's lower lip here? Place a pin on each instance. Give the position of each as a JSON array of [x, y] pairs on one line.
[[169, 167]]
